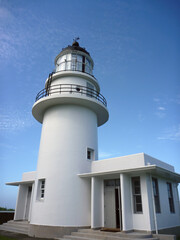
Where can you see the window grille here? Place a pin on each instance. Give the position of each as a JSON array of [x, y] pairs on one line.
[[41, 189], [170, 197], [156, 195]]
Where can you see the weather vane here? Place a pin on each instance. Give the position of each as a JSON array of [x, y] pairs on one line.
[[75, 39]]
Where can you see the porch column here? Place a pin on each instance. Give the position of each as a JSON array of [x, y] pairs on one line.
[[21, 202], [126, 202], [97, 202]]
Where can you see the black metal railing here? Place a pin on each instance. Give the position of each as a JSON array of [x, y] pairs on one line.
[[71, 89]]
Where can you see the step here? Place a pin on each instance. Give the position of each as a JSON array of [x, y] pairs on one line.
[[135, 235], [70, 237], [19, 221], [10, 229], [90, 234], [116, 234], [94, 235], [16, 225]]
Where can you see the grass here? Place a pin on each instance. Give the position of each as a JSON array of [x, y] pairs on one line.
[[5, 238]]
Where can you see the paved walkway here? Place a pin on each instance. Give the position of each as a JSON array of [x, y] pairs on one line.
[[19, 236]]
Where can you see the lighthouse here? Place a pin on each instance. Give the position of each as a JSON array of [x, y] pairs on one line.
[[70, 189], [70, 108]]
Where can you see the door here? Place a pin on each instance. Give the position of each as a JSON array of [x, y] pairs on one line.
[[28, 202], [112, 204]]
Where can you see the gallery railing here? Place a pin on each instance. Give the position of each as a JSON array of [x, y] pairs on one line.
[[71, 89]]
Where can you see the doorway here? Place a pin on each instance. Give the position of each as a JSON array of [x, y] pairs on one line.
[[112, 204]]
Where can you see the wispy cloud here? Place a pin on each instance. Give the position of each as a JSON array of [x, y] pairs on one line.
[[21, 32], [156, 99], [176, 99], [5, 13], [164, 104], [104, 155], [160, 111], [172, 134], [161, 108], [141, 117], [7, 147], [14, 120]]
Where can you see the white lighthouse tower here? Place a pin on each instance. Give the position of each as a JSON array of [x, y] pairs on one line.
[[70, 108], [70, 189]]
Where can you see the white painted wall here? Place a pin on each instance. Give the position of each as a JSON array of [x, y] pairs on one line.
[[97, 202], [148, 160], [76, 80], [147, 220], [167, 219], [67, 132], [119, 163], [141, 221], [127, 162], [29, 176]]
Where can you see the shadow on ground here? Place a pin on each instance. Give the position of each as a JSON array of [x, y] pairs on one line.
[[19, 236]]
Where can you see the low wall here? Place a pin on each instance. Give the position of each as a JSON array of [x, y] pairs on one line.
[[5, 216]]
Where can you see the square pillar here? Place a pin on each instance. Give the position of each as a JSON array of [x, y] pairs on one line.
[[125, 185], [97, 202]]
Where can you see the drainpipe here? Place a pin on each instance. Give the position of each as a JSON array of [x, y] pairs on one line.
[[154, 209]]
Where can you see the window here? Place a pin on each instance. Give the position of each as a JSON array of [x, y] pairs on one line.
[[87, 64], [68, 62], [170, 197], [156, 195], [41, 189], [136, 190], [79, 63], [61, 63], [90, 154], [73, 62], [112, 183]]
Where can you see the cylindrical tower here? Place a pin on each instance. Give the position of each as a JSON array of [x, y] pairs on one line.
[[70, 108]]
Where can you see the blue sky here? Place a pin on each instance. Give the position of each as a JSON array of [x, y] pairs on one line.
[[135, 47]]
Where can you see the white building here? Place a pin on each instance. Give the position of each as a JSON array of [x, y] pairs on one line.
[[70, 188]]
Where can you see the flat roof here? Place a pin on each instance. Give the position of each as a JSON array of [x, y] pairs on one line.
[[152, 169], [20, 182]]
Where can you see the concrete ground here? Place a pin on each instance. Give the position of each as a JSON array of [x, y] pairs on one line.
[[19, 236]]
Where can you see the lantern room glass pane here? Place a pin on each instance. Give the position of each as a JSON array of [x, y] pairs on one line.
[[61, 63], [79, 63], [88, 66], [74, 62], [68, 61]]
